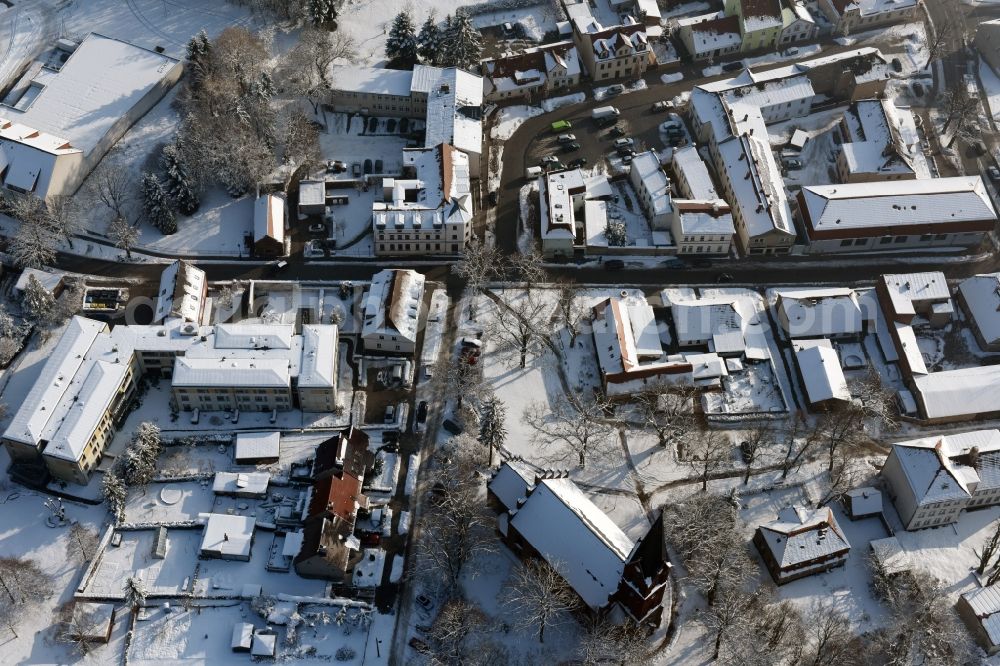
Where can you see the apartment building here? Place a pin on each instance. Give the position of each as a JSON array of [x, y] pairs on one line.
[[429, 209], [533, 73], [760, 22], [609, 52], [797, 23], [702, 227], [879, 141], [652, 188], [801, 542], [850, 16], [392, 308], [710, 36]]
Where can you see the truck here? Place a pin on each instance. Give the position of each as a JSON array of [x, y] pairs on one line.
[[605, 114]]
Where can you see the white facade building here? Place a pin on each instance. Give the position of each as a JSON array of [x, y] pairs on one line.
[[392, 309]]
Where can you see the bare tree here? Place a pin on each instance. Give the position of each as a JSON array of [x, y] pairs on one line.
[[82, 544], [708, 453], [458, 528], [755, 441], [800, 441], [570, 308], [729, 616], [922, 626], [479, 264], [301, 142], [76, 628], [876, 400], [539, 596], [306, 68], [529, 267], [521, 325], [669, 410], [847, 473], [113, 183], [582, 428], [452, 629], [831, 639], [62, 217], [989, 549], [24, 584], [943, 34], [605, 642], [840, 433], [34, 245], [123, 234], [462, 379]]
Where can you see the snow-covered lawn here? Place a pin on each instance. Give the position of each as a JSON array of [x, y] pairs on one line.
[[535, 20], [553, 103], [368, 22]]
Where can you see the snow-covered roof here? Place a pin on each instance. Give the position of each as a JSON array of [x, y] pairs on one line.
[[269, 218], [254, 336], [625, 333], [557, 191], [801, 535], [909, 348], [985, 603], [392, 304], [94, 389], [530, 68], [98, 84], [646, 174], [881, 138], [931, 467], [438, 193], [890, 555], [905, 289], [711, 217], [714, 319], [691, 169], [230, 372], [38, 415], [227, 535], [865, 500], [511, 482], [576, 538], [955, 393], [49, 280], [821, 373], [242, 636], [240, 483], [253, 445], [319, 356], [868, 8], [758, 189], [454, 106], [372, 80], [712, 32], [981, 294], [819, 312], [181, 288], [870, 208], [312, 193], [264, 644]]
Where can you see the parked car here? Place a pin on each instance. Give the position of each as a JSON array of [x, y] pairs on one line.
[[792, 163], [671, 125], [722, 278], [732, 66], [624, 143], [355, 169], [897, 66], [791, 51], [336, 166], [993, 173], [561, 126], [317, 228], [571, 147], [420, 646], [422, 412], [918, 89], [977, 149], [700, 262], [614, 264], [616, 89], [390, 414], [577, 163], [550, 159], [368, 166], [378, 166], [494, 198], [617, 130], [452, 427], [566, 138], [661, 106], [627, 158]]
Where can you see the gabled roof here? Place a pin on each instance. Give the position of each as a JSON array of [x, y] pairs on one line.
[[936, 468], [801, 535], [981, 294], [821, 373], [820, 312], [511, 483]]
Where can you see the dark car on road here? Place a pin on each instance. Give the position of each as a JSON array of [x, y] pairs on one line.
[[571, 147], [618, 131], [577, 163], [614, 264], [732, 66]]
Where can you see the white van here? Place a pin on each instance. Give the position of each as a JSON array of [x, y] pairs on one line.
[[532, 172]]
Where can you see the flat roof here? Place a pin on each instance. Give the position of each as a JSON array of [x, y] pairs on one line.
[[230, 372], [228, 535], [372, 80], [319, 356], [251, 445]]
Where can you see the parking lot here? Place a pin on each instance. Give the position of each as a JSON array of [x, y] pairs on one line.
[[595, 141]]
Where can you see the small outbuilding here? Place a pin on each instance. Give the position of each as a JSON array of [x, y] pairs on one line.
[[264, 644], [253, 448], [51, 282], [889, 556], [242, 637], [251, 485], [863, 502], [227, 537], [269, 226], [980, 610], [312, 197]]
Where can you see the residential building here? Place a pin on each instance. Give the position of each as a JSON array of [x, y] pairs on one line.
[[448, 99], [760, 22], [241, 484], [801, 542], [630, 356], [879, 141], [227, 537], [710, 36], [652, 188], [392, 309], [828, 312], [553, 520], [987, 42], [312, 197], [269, 226], [714, 324], [71, 105], [563, 197], [429, 209], [863, 502], [797, 23], [691, 175], [532, 73], [182, 294], [979, 297], [932, 479], [609, 52], [850, 16], [73, 409], [702, 227], [897, 214], [330, 550], [819, 372], [980, 610]]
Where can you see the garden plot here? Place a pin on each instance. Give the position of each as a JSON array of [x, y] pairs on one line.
[[133, 557], [754, 390], [168, 502], [535, 20]]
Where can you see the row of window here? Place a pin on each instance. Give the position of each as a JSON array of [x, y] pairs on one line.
[[886, 240], [416, 247], [405, 237], [698, 249]]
